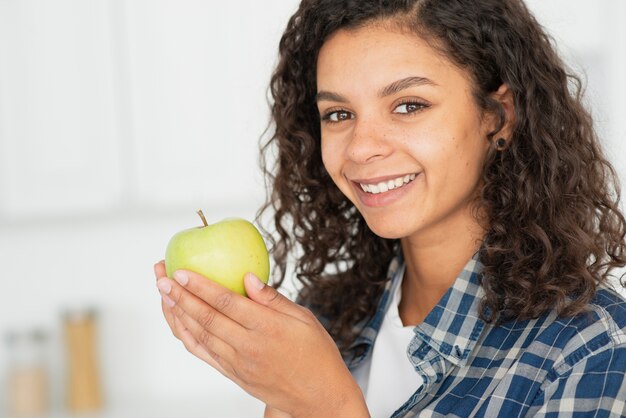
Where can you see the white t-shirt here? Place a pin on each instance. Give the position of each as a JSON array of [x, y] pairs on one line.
[[387, 378]]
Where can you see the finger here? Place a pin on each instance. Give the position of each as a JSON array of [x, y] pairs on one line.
[[237, 307], [159, 269], [213, 359], [181, 332], [188, 307], [166, 302], [270, 297], [169, 316], [220, 351], [194, 347]]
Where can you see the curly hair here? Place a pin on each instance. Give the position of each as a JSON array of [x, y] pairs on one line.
[[554, 231]]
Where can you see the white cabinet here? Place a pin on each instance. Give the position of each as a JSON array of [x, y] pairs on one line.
[[59, 142], [199, 74], [145, 104]]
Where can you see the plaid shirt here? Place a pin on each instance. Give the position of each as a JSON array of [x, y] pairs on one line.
[[544, 367]]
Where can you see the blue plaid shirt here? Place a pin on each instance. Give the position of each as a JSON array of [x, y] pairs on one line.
[[544, 367]]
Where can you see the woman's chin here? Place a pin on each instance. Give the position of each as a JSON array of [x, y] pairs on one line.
[[387, 230]]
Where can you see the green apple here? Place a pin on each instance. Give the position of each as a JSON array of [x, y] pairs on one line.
[[223, 252]]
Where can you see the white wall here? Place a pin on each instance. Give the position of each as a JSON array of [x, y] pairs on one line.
[[119, 119], [591, 37]]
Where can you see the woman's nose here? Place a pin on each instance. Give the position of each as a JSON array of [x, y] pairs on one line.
[[369, 141]]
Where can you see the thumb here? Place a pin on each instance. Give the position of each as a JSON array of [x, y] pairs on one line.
[[266, 295]]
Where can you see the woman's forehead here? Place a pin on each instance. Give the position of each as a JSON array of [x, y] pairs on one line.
[[377, 56]]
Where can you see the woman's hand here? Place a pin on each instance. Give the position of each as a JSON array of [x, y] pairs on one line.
[[275, 413], [274, 349]]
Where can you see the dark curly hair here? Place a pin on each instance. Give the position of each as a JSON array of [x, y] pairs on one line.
[[554, 231]]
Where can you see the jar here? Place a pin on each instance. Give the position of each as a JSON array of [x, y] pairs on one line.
[[27, 384]]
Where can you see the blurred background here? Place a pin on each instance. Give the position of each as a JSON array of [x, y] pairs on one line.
[[120, 118]]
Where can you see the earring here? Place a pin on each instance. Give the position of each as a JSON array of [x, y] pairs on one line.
[[500, 144]]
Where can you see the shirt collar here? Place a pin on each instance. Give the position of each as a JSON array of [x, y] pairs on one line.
[[452, 327]]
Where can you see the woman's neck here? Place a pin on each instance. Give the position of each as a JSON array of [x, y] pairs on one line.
[[432, 266]]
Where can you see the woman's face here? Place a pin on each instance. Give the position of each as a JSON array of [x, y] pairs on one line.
[[402, 137]]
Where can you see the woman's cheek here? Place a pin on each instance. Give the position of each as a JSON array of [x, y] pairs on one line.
[[330, 159]]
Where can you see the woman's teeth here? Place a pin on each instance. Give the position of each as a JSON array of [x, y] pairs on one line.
[[388, 185]]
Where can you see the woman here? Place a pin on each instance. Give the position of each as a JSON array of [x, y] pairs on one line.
[[456, 220]]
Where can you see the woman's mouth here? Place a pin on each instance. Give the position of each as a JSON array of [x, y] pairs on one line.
[[385, 186]]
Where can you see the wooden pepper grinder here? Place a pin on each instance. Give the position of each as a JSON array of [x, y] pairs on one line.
[[84, 393]]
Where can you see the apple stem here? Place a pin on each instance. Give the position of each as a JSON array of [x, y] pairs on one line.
[[202, 217]]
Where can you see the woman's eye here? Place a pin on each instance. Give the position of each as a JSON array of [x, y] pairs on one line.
[[337, 116], [410, 107]]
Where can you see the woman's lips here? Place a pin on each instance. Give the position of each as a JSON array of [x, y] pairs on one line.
[[383, 198], [387, 184]]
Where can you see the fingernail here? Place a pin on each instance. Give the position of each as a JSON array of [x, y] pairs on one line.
[[169, 302], [254, 281], [181, 277], [164, 286]]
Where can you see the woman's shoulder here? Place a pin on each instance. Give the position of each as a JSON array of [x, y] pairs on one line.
[[609, 316], [611, 306], [598, 332], [560, 344], [606, 314]]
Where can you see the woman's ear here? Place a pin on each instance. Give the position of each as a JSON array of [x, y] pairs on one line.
[[504, 96]]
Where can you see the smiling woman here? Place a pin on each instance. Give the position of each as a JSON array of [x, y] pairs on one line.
[[456, 219]]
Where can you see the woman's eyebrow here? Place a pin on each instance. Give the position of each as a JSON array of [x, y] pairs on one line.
[[388, 90], [404, 83], [329, 97]]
